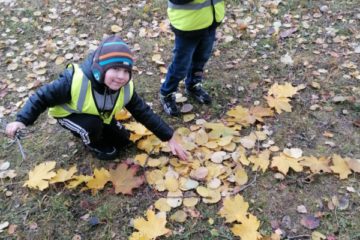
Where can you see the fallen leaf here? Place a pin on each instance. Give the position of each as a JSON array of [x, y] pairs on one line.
[[124, 179], [340, 166], [153, 227], [234, 208], [310, 222], [39, 177], [248, 228]]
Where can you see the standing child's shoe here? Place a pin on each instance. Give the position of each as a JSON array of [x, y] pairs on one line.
[[169, 104], [198, 93]]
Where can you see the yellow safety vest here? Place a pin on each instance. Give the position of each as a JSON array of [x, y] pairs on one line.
[[196, 15], [82, 100]]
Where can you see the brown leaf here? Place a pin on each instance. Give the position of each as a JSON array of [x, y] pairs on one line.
[[310, 222], [124, 179]]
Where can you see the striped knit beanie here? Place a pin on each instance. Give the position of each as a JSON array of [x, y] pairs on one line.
[[112, 52]]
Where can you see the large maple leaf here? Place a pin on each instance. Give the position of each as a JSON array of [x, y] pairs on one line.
[[101, 177], [260, 161], [316, 165], [280, 104], [283, 163], [340, 166], [124, 179], [153, 227], [241, 116], [247, 230], [39, 177], [260, 112], [77, 180], [219, 130], [286, 90], [234, 208], [63, 175]]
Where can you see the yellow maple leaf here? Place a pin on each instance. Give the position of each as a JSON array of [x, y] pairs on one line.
[[248, 228], [122, 115], [153, 227], [234, 208], [141, 159], [241, 116], [260, 161], [63, 175], [137, 128], [340, 166], [124, 179], [77, 180], [284, 162], [280, 104], [39, 177], [100, 178], [282, 91], [219, 130], [150, 144], [138, 236], [260, 112], [316, 165]]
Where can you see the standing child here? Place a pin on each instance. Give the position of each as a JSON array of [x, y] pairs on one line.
[[194, 23], [85, 98]]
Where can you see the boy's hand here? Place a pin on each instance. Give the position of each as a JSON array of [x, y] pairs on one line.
[[13, 127], [177, 149]]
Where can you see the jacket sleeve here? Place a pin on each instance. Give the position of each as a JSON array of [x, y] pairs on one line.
[[143, 114], [181, 2], [49, 95]]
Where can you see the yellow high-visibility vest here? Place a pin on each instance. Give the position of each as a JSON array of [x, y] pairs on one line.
[[82, 99], [196, 15]]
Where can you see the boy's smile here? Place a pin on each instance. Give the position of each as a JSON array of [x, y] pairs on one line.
[[115, 78]]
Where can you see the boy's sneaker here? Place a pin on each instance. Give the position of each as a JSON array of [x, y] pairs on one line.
[[104, 152], [199, 93], [169, 104]]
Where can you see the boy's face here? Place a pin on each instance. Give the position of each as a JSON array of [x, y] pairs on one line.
[[115, 78]]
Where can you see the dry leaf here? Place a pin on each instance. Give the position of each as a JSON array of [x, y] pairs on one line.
[[153, 227], [39, 177], [124, 179]]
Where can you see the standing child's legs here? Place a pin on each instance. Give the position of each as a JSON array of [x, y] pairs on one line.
[[90, 129], [195, 75], [199, 59], [177, 71], [182, 55]]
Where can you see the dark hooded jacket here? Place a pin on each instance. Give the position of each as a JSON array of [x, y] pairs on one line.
[[59, 92]]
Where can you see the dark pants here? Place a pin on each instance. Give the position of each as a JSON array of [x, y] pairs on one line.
[[94, 132], [190, 55]]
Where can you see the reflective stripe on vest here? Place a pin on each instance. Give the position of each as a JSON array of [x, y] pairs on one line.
[[199, 14], [79, 92]]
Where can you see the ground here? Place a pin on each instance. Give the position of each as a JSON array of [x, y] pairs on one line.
[[323, 40]]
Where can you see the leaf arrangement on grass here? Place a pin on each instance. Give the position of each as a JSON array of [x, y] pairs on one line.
[[216, 171]]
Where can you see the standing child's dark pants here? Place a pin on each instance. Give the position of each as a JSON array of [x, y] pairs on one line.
[[104, 140]]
